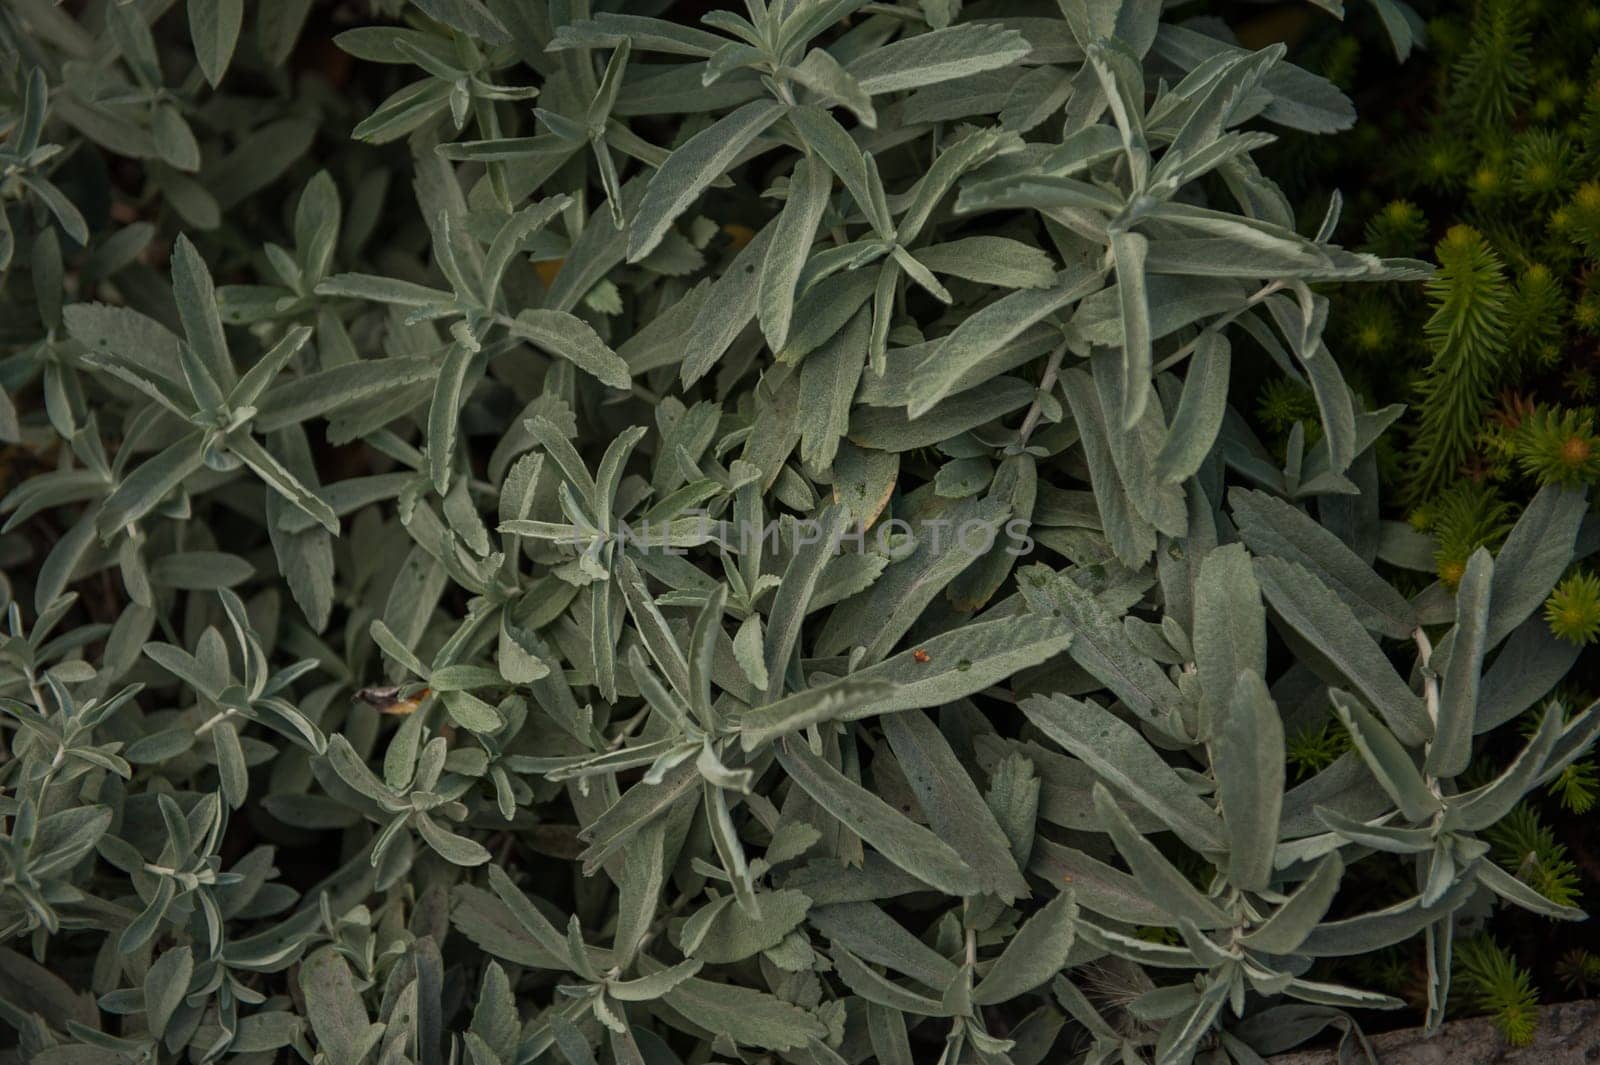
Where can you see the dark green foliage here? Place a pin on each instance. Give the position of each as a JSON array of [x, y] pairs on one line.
[[544, 532]]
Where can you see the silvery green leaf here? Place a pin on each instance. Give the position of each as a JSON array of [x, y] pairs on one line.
[[744, 1015], [725, 839], [991, 260], [904, 842], [830, 702], [1033, 955], [511, 238], [1248, 755], [607, 29], [794, 593], [1476, 810], [649, 988], [1128, 253], [1131, 536], [144, 489], [989, 329], [471, 17], [823, 135], [494, 1017], [821, 73], [1120, 756], [747, 645], [963, 662], [1134, 449], [1133, 948], [1177, 897], [796, 229], [880, 990], [692, 167], [231, 767], [973, 149], [1381, 928], [197, 308], [887, 429], [1403, 25], [951, 802], [1198, 419], [638, 806], [868, 932], [1451, 748], [1335, 995], [1230, 628], [1290, 924], [1333, 632], [1533, 558], [1179, 1040], [729, 305], [214, 27], [384, 290], [1380, 837], [1576, 737], [877, 619], [1100, 645], [544, 934], [1274, 528], [573, 339], [1519, 893], [732, 934], [278, 478], [338, 388], [940, 55], [1299, 99], [828, 384], [334, 1007], [449, 392], [1387, 758], [165, 985]]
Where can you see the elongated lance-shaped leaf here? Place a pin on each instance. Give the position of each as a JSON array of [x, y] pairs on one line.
[[1532, 559], [1331, 630], [1290, 924], [819, 544], [1100, 644], [1230, 629], [1269, 526], [904, 842], [952, 803], [1198, 420], [1128, 252], [1391, 764], [687, 172], [1381, 928], [985, 332], [1451, 748], [1248, 757], [809, 186], [148, 485], [1173, 892], [1122, 758], [1476, 810]]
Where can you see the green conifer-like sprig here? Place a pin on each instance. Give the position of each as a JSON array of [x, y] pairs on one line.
[[1498, 986], [1558, 445], [1490, 78], [1573, 609], [1463, 519], [1535, 313], [1468, 333]]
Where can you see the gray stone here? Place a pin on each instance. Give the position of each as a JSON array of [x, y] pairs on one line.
[[1569, 1034]]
